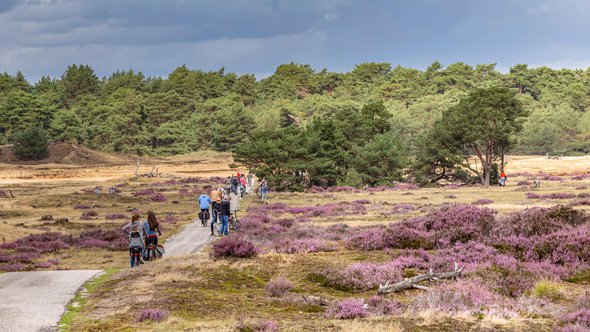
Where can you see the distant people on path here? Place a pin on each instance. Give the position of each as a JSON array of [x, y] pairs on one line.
[[234, 184], [215, 204], [136, 239], [263, 190], [249, 180], [204, 205], [234, 202], [224, 211], [502, 179], [243, 185]]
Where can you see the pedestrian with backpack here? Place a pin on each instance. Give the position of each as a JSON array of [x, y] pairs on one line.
[[204, 204], [136, 240]]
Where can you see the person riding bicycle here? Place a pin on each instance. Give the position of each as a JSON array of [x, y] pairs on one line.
[[136, 239], [216, 201], [152, 229], [204, 204], [234, 184]]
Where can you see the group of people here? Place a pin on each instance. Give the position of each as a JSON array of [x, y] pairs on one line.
[[223, 203], [141, 235]]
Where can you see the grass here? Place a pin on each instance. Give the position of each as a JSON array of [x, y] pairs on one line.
[[549, 290], [75, 306]]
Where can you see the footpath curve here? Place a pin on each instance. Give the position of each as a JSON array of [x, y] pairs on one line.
[[35, 301]]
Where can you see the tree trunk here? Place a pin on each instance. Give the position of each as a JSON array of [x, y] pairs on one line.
[[486, 174]]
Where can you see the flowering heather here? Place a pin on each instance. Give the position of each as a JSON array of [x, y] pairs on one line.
[[371, 239], [156, 315], [303, 246], [532, 195], [361, 201], [405, 186], [120, 185], [361, 276], [548, 177], [579, 202], [15, 267], [581, 317], [456, 297], [88, 215], [278, 287], [459, 223], [537, 220], [144, 192], [341, 189], [451, 196], [3, 194], [524, 183], [159, 197], [581, 177], [349, 308], [483, 201], [582, 188], [233, 247], [257, 326], [81, 207], [114, 216], [403, 208], [408, 235]]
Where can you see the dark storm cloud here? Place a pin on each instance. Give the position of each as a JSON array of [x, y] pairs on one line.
[[43, 36]]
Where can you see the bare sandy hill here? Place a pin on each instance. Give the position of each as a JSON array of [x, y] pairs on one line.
[[67, 154]]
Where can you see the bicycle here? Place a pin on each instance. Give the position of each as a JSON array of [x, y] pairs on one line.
[[150, 250], [234, 222], [204, 216]]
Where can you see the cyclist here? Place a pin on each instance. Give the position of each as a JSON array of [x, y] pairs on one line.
[[136, 239], [204, 204], [151, 230]]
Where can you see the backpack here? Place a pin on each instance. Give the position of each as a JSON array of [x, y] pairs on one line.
[[135, 236]]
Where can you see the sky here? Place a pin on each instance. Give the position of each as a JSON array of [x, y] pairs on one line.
[[43, 37]]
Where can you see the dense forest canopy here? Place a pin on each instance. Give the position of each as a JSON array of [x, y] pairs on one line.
[[193, 109]]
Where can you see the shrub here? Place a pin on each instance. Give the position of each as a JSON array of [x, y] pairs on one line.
[[156, 315], [233, 247], [407, 235], [258, 326], [581, 317], [81, 207], [459, 223], [347, 309], [371, 239], [159, 197], [31, 144], [547, 289], [278, 287], [114, 216], [14, 267], [483, 201], [144, 192], [361, 276], [302, 246]]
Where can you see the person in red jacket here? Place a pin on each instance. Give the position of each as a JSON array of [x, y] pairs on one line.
[[502, 179]]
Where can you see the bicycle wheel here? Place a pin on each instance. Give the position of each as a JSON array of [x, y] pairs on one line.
[[217, 228]]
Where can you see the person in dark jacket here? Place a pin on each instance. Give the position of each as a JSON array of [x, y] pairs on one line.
[[224, 211]]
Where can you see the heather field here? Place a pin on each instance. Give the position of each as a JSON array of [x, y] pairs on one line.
[[316, 260]]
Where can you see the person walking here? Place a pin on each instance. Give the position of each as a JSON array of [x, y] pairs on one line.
[[224, 211], [263, 190], [136, 239], [502, 179], [234, 184], [249, 179], [204, 204], [243, 185], [215, 204]]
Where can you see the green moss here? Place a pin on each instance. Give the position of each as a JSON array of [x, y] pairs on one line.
[[75, 306]]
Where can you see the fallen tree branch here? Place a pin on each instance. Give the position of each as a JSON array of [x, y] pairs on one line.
[[414, 282]]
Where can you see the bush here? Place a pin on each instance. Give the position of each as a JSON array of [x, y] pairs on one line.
[[156, 315], [347, 309], [278, 287], [303, 246], [258, 326], [233, 247], [31, 144]]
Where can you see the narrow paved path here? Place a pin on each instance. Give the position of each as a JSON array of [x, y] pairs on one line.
[[35, 301], [190, 240]]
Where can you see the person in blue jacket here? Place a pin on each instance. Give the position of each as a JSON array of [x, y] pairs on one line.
[[204, 204]]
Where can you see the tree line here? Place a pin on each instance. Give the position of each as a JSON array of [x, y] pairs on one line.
[[371, 109]]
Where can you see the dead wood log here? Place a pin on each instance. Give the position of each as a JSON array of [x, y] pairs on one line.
[[415, 281]]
